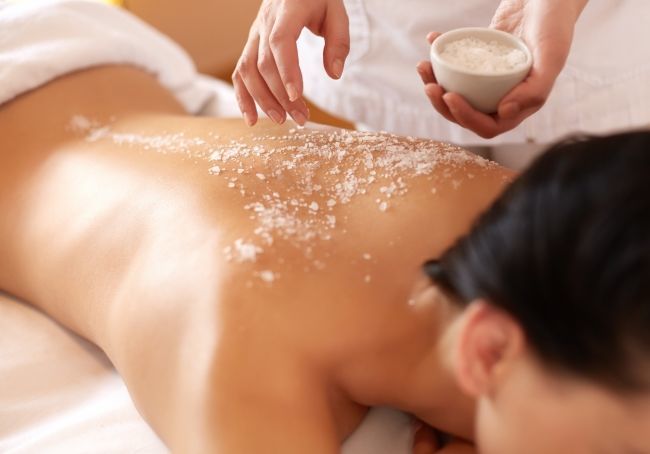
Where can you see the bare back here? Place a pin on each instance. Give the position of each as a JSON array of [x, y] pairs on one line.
[[279, 261]]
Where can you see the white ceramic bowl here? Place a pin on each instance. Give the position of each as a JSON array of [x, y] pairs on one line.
[[482, 90]]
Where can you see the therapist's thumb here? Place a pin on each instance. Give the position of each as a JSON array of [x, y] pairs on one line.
[[529, 96], [336, 31]]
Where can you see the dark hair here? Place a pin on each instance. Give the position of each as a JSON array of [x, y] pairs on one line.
[[566, 252]]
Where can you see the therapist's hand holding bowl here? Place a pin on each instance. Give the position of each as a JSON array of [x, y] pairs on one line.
[[268, 72], [546, 26], [481, 64]]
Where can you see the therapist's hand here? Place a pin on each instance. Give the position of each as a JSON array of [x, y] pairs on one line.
[[268, 72], [547, 28]]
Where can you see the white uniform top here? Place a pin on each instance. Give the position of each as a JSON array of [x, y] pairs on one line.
[[605, 85]]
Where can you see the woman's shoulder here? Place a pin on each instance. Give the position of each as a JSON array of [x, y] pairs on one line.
[[337, 224]]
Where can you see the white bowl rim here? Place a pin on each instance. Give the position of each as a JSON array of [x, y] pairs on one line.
[[435, 52]]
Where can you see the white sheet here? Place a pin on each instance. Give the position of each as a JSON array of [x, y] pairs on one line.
[[60, 395]]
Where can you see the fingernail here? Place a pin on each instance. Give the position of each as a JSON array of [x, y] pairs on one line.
[[510, 110], [292, 91], [248, 119], [299, 117], [337, 68], [276, 116]]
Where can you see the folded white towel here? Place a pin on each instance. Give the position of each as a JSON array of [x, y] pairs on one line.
[[41, 40]]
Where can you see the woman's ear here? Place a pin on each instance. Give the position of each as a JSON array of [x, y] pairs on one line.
[[488, 341]]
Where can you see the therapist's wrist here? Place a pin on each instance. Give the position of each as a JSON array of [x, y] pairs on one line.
[[571, 8], [580, 6]]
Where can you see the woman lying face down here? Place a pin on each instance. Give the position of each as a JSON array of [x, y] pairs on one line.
[[554, 281], [259, 290]]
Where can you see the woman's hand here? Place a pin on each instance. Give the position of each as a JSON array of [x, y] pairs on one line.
[[268, 72], [425, 439], [547, 28]]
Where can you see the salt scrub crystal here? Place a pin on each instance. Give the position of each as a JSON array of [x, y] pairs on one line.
[[164, 143], [488, 57], [79, 123], [309, 176], [242, 252], [268, 276]]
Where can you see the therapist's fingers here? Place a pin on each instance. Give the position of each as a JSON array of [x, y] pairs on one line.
[[297, 109], [465, 115], [524, 100], [258, 89], [246, 68], [336, 31], [255, 85], [432, 36], [431, 88], [433, 91], [530, 95], [268, 69], [282, 40], [425, 70], [435, 94], [486, 126], [244, 100]]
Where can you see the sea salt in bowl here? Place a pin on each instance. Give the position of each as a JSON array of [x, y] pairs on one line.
[[481, 64]]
